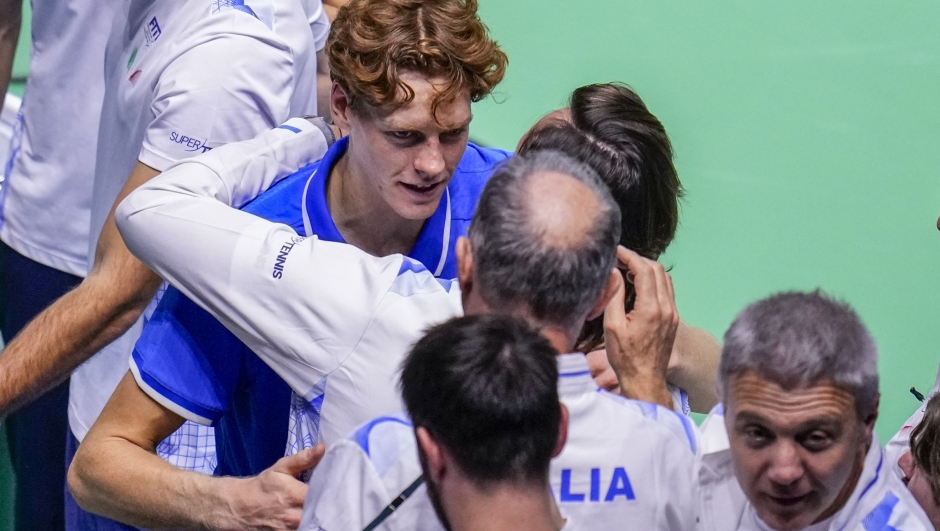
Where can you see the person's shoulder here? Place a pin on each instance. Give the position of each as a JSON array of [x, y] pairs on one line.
[[274, 23], [478, 159], [471, 176], [283, 202], [385, 441], [653, 420], [892, 507]]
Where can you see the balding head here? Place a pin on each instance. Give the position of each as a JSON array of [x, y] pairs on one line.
[[544, 239]]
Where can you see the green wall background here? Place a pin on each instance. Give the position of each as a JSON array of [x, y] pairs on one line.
[[805, 135]]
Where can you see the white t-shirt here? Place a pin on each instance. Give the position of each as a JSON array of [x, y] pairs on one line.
[[47, 187], [626, 465], [184, 77], [901, 442], [879, 502]]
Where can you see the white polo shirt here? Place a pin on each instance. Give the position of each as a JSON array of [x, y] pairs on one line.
[[183, 77], [879, 502], [49, 176], [901, 442], [626, 465]]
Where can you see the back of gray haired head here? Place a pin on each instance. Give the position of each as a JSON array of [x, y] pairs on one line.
[[518, 267], [799, 339]]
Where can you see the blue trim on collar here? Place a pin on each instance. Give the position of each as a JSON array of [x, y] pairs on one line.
[[430, 243], [315, 205]]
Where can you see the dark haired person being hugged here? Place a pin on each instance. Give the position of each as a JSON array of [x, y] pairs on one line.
[[630, 150], [532, 253], [481, 392], [403, 180]]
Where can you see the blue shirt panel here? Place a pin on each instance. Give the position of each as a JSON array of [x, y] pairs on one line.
[[190, 358]]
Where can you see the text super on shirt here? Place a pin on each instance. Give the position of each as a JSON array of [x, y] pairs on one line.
[[182, 77]]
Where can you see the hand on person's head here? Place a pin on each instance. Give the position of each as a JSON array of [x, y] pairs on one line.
[[639, 344]]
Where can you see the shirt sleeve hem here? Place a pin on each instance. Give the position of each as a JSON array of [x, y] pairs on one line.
[[163, 397], [155, 160]]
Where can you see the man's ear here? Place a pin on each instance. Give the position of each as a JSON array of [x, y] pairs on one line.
[[464, 265], [870, 420], [339, 106], [562, 432], [434, 456], [614, 280]]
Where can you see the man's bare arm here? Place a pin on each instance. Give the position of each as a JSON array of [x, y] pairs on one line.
[[117, 473], [107, 302], [693, 366], [11, 18]]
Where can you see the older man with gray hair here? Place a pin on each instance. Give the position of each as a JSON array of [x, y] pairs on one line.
[[791, 447]]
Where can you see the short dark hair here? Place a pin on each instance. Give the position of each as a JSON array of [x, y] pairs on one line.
[[797, 339], [485, 387], [925, 446], [515, 267], [614, 133]]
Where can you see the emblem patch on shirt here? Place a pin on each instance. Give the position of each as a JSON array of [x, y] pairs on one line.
[[153, 31], [133, 57], [134, 77]]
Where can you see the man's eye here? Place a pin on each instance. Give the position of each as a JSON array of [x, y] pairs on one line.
[[401, 135], [452, 135], [817, 441], [756, 436]]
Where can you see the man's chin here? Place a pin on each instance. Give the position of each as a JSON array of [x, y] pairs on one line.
[[787, 514]]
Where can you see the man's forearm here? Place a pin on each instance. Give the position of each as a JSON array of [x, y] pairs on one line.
[[11, 16], [63, 337], [117, 473], [122, 481], [694, 367]]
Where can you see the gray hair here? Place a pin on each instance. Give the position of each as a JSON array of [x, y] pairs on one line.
[[799, 339], [517, 267]]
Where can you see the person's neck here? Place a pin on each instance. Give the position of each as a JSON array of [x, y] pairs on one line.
[[363, 218], [504, 507]]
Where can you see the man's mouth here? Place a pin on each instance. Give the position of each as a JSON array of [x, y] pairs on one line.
[[422, 190], [787, 501]]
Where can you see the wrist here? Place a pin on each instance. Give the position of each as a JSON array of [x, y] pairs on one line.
[[653, 390]]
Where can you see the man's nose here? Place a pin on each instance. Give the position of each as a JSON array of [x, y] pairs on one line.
[[786, 468], [430, 160]]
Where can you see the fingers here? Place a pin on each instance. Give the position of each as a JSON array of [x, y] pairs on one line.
[[615, 315], [294, 465]]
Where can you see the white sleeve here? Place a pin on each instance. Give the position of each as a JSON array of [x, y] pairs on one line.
[[346, 492], [319, 23], [226, 89], [300, 304]]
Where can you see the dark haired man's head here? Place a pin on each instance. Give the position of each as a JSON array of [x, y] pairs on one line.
[[609, 128], [542, 243], [921, 466], [482, 394]]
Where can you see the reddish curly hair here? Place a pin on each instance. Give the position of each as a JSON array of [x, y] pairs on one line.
[[373, 41]]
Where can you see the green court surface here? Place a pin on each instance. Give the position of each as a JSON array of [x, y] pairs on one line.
[[805, 135]]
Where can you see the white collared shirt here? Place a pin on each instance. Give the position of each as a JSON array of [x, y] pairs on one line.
[[880, 502], [182, 78]]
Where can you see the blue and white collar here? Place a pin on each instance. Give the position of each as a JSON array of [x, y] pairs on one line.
[[574, 375]]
